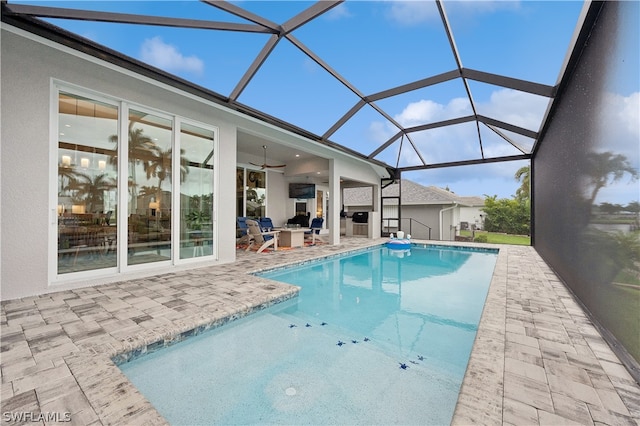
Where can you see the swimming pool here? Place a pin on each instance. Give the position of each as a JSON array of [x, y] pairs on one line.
[[374, 338]]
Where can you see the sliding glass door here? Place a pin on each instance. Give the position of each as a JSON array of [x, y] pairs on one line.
[[196, 191], [149, 182], [87, 192], [159, 167]]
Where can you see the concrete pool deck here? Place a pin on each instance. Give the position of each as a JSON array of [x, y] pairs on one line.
[[537, 358]]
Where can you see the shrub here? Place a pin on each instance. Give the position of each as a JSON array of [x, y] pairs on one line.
[[482, 238], [511, 216]]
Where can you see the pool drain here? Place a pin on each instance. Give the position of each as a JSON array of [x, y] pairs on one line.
[[290, 391]]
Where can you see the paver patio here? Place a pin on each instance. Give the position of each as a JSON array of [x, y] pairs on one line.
[[537, 358]]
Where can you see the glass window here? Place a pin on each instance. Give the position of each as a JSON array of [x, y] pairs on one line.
[[149, 181], [256, 194], [196, 191], [251, 193], [86, 184]]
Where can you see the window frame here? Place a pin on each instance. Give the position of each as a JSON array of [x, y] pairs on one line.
[[124, 107]]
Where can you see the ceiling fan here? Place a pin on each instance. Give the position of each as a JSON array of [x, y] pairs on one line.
[[265, 165]]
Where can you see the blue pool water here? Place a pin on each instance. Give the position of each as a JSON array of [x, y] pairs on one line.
[[376, 337]]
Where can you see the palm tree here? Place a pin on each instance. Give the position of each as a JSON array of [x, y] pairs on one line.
[[159, 166], [148, 190], [67, 173], [606, 168], [91, 189], [140, 149], [523, 175]]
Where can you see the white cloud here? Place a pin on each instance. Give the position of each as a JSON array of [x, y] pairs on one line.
[[619, 125], [413, 12], [476, 7], [338, 12], [514, 107], [618, 131], [421, 112], [419, 12], [167, 57], [460, 142]]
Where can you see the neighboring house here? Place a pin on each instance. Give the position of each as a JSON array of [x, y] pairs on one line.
[[427, 212]]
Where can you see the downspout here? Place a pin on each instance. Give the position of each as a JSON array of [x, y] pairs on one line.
[[442, 211]]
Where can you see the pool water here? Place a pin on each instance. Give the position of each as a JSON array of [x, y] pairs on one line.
[[376, 337]]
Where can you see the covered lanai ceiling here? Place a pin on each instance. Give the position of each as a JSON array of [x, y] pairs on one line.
[[411, 85]]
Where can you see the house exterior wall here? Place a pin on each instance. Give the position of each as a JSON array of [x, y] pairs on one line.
[[277, 191], [28, 69], [31, 67], [423, 216], [582, 130], [471, 215]]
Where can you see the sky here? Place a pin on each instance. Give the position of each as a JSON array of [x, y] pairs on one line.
[[521, 39]]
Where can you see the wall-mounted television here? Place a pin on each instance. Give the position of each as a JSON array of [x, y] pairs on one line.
[[302, 190]]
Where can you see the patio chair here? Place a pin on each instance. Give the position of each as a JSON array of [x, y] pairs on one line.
[[243, 231], [266, 224], [265, 239], [314, 230]]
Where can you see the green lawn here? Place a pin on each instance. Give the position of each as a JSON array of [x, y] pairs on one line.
[[497, 238]]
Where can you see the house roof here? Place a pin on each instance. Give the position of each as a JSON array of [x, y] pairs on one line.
[[412, 194]]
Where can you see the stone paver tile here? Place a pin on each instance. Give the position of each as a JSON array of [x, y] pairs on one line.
[[518, 413], [26, 321], [575, 390], [21, 403], [516, 327], [6, 391], [527, 391], [474, 408], [585, 360], [53, 389], [600, 380], [630, 394], [547, 335], [603, 416], [54, 352], [601, 349], [123, 401], [47, 375], [528, 370], [567, 371], [522, 340], [615, 369], [548, 345], [75, 403], [553, 354], [17, 368], [79, 330], [9, 337], [551, 419], [612, 402], [15, 352], [571, 408], [43, 333]]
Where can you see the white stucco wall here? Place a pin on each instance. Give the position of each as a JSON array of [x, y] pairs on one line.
[[471, 215], [28, 69], [427, 215]]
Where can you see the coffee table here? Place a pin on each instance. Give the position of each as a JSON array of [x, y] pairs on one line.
[[291, 237]]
